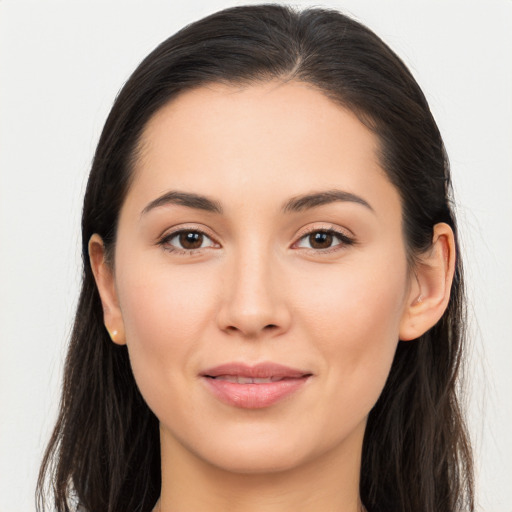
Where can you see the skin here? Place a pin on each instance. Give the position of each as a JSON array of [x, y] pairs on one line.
[[258, 290]]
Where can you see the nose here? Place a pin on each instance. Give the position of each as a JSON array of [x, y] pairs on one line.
[[253, 302]]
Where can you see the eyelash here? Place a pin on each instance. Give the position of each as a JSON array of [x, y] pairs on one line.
[[165, 241], [343, 239]]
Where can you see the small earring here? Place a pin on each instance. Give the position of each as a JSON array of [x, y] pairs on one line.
[[419, 300], [112, 334]]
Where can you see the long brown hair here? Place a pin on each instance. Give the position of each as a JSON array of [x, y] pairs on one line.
[[104, 454]]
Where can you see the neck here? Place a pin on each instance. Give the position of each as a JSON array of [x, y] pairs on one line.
[[328, 483]]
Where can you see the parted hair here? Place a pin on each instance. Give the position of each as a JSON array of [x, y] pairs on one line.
[[104, 453]]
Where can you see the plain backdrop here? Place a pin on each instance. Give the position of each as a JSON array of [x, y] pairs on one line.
[[61, 65]]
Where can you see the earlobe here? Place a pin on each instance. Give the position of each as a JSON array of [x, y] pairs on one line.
[[104, 277], [430, 292]]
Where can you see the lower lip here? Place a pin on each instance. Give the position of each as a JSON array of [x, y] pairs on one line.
[[254, 396]]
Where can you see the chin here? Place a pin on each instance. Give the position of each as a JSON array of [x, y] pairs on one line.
[[257, 462], [260, 451]]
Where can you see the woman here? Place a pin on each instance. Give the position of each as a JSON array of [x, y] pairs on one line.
[[272, 310]]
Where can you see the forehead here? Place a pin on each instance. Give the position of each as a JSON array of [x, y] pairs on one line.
[[269, 139], [276, 114]]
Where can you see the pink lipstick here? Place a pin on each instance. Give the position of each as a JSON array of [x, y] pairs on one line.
[[253, 387]]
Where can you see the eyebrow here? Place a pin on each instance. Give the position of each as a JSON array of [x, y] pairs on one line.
[[307, 201], [187, 199], [295, 204]]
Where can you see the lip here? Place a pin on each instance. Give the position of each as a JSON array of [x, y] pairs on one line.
[[233, 383]]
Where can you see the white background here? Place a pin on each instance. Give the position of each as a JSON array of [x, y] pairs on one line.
[[61, 65]]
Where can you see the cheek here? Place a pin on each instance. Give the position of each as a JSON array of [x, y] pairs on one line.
[[353, 301], [160, 307], [164, 311], [354, 315]]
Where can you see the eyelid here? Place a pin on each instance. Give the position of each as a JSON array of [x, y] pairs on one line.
[[170, 233], [324, 226], [345, 235]]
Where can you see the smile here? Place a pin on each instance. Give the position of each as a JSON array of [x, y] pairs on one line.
[[253, 387], [239, 379]]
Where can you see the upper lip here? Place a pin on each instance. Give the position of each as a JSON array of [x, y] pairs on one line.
[[258, 371]]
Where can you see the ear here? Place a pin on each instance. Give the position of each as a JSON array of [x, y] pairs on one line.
[[105, 282], [430, 290]]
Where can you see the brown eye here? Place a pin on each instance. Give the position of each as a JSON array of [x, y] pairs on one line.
[[191, 239], [187, 240], [321, 240]]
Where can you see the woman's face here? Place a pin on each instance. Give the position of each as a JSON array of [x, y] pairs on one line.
[[260, 239]]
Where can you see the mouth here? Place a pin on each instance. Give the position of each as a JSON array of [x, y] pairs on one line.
[[254, 387], [240, 379]]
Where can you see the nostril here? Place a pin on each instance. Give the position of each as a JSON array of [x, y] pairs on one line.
[[270, 327]]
